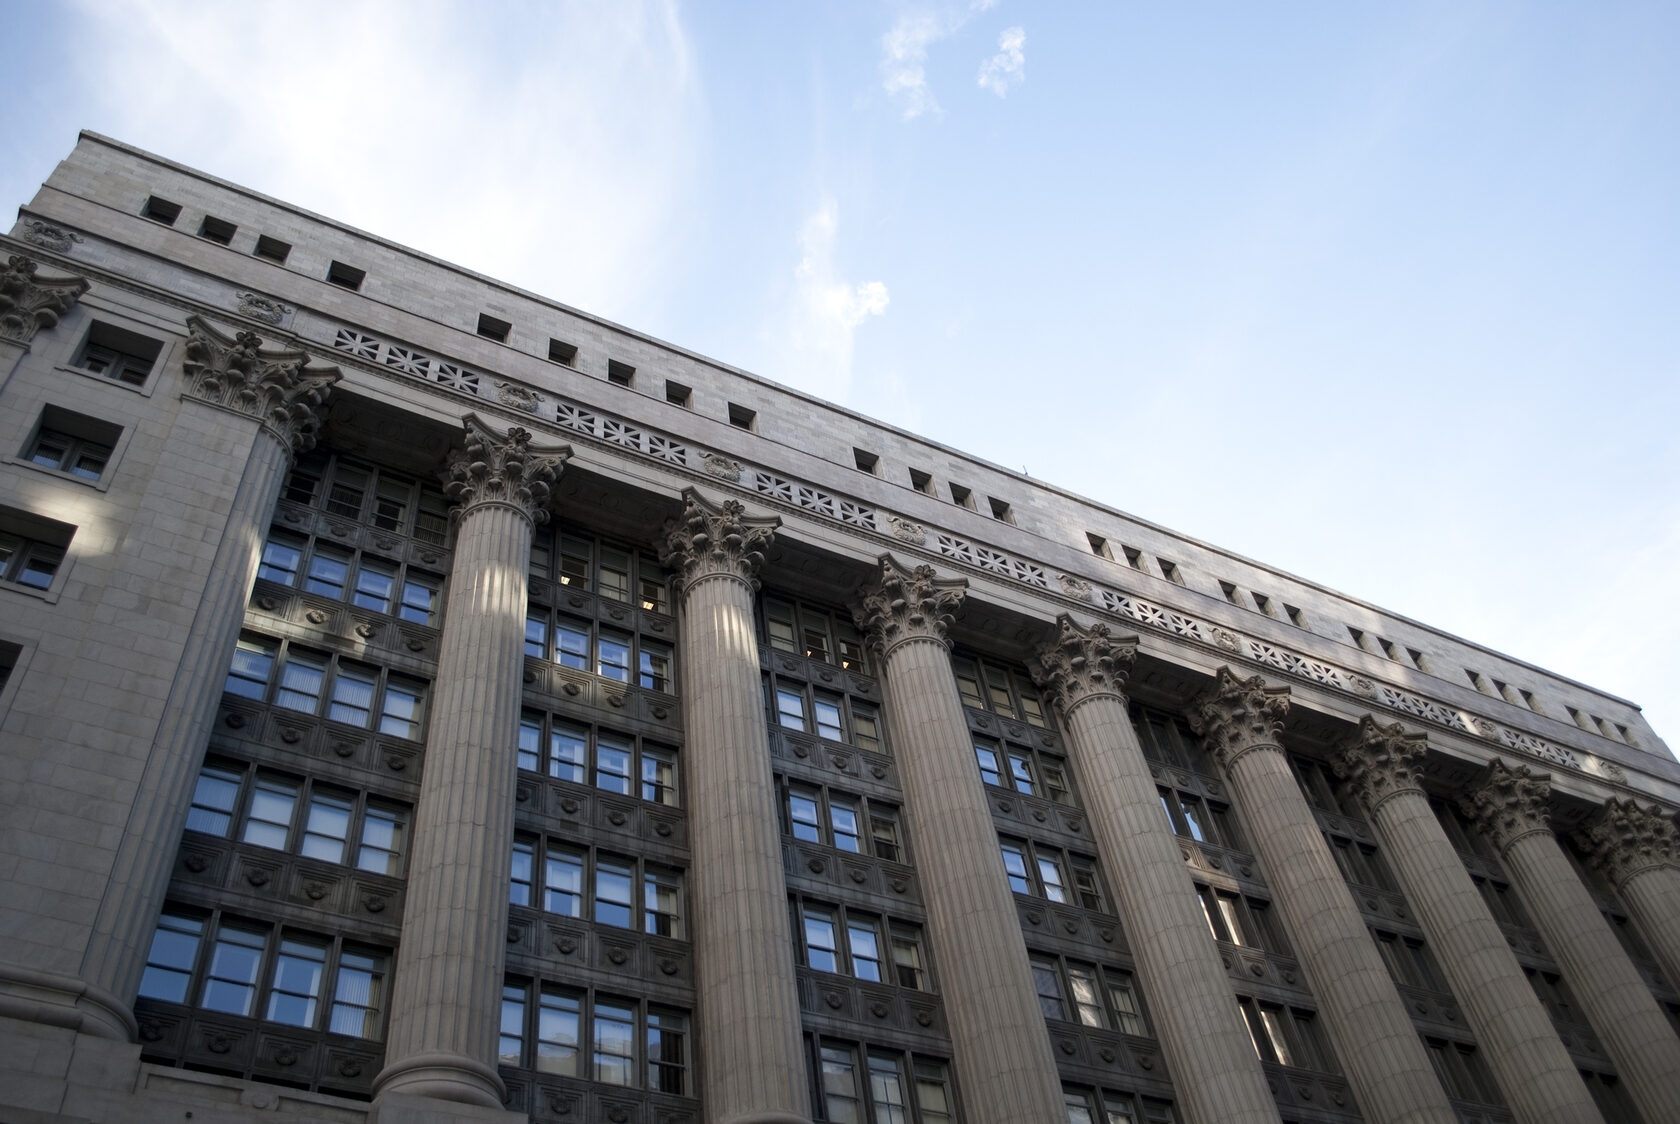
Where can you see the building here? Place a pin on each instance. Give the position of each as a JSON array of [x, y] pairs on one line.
[[427, 702]]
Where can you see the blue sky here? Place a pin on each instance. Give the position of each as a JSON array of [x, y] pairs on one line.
[[1382, 295]]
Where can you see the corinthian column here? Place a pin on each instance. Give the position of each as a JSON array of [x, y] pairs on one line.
[[445, 1004], [284, 398], [1510, 808], [1515, 1034], [1217, 1078], [751, 1064], [29, 304], [1638, 850], [1392, 1079], [1002, 1050]]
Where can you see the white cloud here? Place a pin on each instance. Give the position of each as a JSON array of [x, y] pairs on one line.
[[904, 53], [827, 310], [1009, 66]]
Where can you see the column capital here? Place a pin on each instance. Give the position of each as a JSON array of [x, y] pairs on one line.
[[904, 604], [1083, 662], [1623, 838], [1236, 715], [1381, 761], [1508, 803], [506, 469], [275, 387], [710, 539], [29, 303]]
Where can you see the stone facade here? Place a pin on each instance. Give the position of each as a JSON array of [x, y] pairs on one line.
[[410, 717]]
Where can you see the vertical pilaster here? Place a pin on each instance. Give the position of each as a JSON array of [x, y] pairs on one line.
[[751, 1062], [1217, 1077], [445, 1002], [1513, 1030], [1509, 806], [1002, 1050], [1638, 850], [286, 399], [1378, 1046]]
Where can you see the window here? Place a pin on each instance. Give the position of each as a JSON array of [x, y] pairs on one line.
[[617, 573], [1105, 1106], [1204, 821], [1045, 872], [32, 549], [375, 497], [346, 275], [1295, 617], [1097, 996], [1408, 961], [1001, 511], [160, 210], [1165, 738], [1007, 692], [1134, 557], [862, 945], [843, 821], [247, 968], [1477, 681], [1285, 1035], [678, 395], [358, 694], [10, 656], [492, 327], [576, 881], [1169, 570], [217, 230], [1241, 920], [742, 418], [366, 581], [273, 249], [1422, 664], [1263, 603], [866, 462], [885, 1087], [621, 763], [1322, 789], [921, 481], [1501, 901], [1388, 649], [1461, 1071], [814, 632], [579, 644], [836, 717], [72, 443], [1099, 546], [559, 351], [1360, 863], [620, 374], [1231, 593], [1022, 769], [576, 1033], [118, 354], [287, 813], [962, 496]]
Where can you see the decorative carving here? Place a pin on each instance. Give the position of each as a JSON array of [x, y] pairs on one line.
[[1623, 839], [1227, 639], [1509, 804], [505, 469], [272, 386], [519, 397], [709, 539], [266, 309], [1381, 761], [1083, 662], [29, 303], [48, 236], [720, 466], [1237, 715], [905, 604], [1075, 587], [906, 531]]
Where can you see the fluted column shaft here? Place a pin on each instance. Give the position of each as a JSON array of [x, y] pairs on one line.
[[1373, 1035], [1001, 1047], [1652, 897], [1638, 850], [1513, 1030], [752, 1068], [446, 1000], [1510, 808], [1217, 1078]]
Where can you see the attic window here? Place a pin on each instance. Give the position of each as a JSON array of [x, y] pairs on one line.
[[493, 329], [1001, 510], [1169, 570], [866, 462], [1134, 556], [346, 275], [921, 481], [559, 351], [1099, 546], [217, 230], [742, 418], [620, 374], [962, 497], [677, 394], [272, 248], [1230, 592], [160, 210]]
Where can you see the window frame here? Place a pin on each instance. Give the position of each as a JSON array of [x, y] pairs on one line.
[[870, 812], [548, 727], [995, 684], [539, 853], [1074, 868], [917, 1074], [852, 710], [844, 646], [523, 999], [315, 477], [555, 636], [1201, 820], [889, 934], [386, 685], [310, 548], [646, 584], [1012, 758]]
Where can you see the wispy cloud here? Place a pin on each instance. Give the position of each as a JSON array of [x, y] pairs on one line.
[[827, 310], [904, 53], [1009, 66]]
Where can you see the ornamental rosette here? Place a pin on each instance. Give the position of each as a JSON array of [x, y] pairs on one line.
[[1381, 761], [1082, 662], [1509, 803], [29, 303], [709, 538], [275, 387], [503, 468], [903, 604], [1624, 838], [1236, 715]]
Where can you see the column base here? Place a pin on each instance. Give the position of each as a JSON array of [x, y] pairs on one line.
[[442, 1077]]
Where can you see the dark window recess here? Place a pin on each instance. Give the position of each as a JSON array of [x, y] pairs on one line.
[[921, 481], [346, 275], [620, 374], [217, 230], [1169, 570], [866, 462], [72, 442], [1099, 546], [962, 497], [493, 329], [119, 354], [677, 394], [742, 418], [31, 547], [1001, 510], [1134, 557], [559, 351], [10, 654], [273, 249], [161, 210]]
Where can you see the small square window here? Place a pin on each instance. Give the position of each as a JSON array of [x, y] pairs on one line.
[[962, 497], [118, 354], [32, 548], [161, 210], [1388, 649], [1478, 682], [742, 418], [1356, 636], [346, 275], [1528, 701], [1263, 603], [72, 443], [1295, 617], [559, 351], [1000, 510], [1134, 557], [620, 374], [1169, 570], [677, 394], [1230, 592], [867, 462], [1417, 659], [493, 329], [921, 481], [273, 249], [217, 230], [1099, 546]]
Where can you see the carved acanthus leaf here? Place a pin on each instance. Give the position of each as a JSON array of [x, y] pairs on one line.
[[275, 387], [29, 303], [1509, 803], [1380, 761], [1236, 715], [504, 468], [905, 603], [1082, 662], [1624, 838], [716, 538]]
